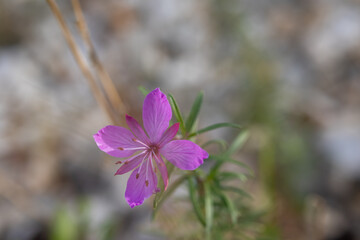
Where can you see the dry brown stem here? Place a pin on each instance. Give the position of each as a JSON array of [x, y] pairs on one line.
[[104, 77], [109, 101]]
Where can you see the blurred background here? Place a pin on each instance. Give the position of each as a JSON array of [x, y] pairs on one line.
[[288, 69]]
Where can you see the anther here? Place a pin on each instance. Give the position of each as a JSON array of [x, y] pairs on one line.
[[118, 162], [137, 176], [126, 162], [120, 148], [147, 183]]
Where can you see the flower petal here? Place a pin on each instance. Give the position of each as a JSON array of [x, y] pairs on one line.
[[184, 154], [163, 170], [169, 134], [111, 139], [156, 114], [130, 164], [137, 129], [138, 189]]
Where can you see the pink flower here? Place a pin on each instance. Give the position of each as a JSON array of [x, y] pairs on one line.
[[141, 151]]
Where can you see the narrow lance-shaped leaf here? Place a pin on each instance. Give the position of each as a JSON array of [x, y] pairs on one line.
[[221, 159], [214, 126], [177, 113], [232, 175], [219, 142], [215, 168], [238, 142], [233, 212], [143, 90], [209, 209], [243, 165], [195, 109], [194, 201], [236, 190]]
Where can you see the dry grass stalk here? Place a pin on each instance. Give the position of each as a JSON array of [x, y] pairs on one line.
[[104, 77], [109, 100]]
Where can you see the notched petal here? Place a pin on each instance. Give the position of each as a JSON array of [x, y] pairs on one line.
[[114, 141], [184, 154], [156, 114], [138, 187]]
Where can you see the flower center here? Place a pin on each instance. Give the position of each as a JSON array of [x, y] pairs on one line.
[[154, 148]]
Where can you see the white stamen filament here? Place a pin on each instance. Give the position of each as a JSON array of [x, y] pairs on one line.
[[138, 141], [147, 170], [156, 158], [132, 158], [153, 153], [138, 148], [142, 162], [151, 163]]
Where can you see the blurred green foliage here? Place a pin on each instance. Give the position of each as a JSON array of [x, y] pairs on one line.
[[219, 203], [285, 155]]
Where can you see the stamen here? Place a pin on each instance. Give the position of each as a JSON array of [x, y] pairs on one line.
[[147, 183], [147, 169], [130, 159], [138, 148], [161, 163], [139, 169], [138, 141], [152, 166]]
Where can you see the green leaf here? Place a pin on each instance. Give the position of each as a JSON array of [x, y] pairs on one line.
[[195, 109], [243, 165], [231, 176], [219, 142], [233, 212], [168, 193], [214, 126], [215, 168], [238, 142], [236, 190], [209, 209], [177, 113], [195, 202], [221, 159], [143, 90]]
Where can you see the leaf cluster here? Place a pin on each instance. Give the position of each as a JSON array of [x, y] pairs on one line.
[[217, 198]]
